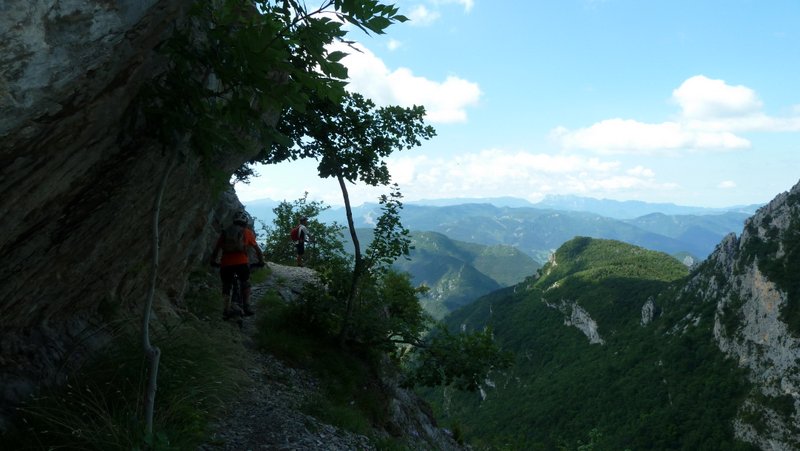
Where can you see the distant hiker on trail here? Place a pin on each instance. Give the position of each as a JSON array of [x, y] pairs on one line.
[[234, 243], [300, 236]]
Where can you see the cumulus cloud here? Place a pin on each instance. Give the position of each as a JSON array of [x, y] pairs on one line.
[[712, 112], [630, 136], [496, 172], [444, 101], [703, 98]]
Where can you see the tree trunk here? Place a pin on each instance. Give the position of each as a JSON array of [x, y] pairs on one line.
[[351, 296], [153, 353]]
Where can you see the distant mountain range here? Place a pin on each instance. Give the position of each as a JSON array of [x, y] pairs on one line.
[[631, 209], [605, 207], [538, 231]]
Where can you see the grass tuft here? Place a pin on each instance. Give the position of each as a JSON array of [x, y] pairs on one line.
[[100, 407], [350, 397]]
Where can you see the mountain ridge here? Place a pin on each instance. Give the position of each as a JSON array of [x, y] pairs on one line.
[[617, 209]]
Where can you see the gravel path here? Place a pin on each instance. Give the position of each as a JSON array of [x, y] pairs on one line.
[[267, 416]]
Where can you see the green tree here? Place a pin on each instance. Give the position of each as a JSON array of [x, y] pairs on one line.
[[327, 237], [391, 240], [350, 140], [462, 359]]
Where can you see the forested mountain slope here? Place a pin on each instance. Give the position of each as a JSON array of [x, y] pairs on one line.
[[616, 346], [457, 272], [586, 365]]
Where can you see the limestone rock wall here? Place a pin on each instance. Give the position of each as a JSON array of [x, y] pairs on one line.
[[575, 315], [749, 326], [78, 182]]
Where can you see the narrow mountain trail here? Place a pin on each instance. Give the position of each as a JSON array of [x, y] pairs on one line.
[[267, 414]]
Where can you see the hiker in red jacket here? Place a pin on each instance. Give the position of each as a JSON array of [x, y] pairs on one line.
[[234, 243]]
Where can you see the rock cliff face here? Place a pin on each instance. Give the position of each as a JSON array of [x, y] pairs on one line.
[[751, 281], [575, 315], [78, 182]]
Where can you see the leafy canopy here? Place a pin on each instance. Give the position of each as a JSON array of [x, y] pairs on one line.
[[350, 138], [235, 65]]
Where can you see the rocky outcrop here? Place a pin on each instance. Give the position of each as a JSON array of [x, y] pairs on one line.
[[750, 321], [577, 316], [78, 182], [648, 312]]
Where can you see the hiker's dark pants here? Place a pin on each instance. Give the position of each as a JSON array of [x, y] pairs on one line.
[[226, 274], [301, 247]]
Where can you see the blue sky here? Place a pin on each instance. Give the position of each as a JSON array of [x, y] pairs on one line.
[[693, 102]]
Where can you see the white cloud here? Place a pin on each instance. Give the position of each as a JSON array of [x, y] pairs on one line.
[[422, 16], [445, 101], [488, 173], [727, 184], [496, 172], [758, 122], [703, 98], [630, 136], [712, 113], [393, 44]]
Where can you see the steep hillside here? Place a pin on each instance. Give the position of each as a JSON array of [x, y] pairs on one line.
[[457, 272], [598, 359], [753, 283]]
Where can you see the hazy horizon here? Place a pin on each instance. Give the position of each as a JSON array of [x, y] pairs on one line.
[[512, 199]]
